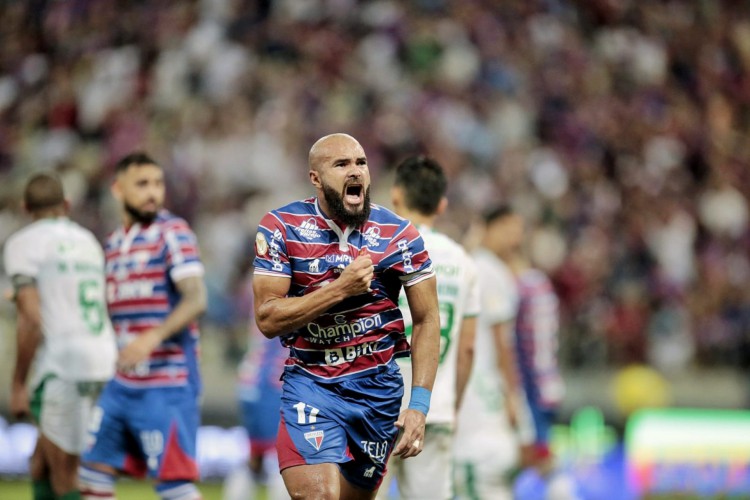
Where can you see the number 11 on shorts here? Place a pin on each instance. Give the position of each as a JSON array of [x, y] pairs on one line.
[[301, 417]]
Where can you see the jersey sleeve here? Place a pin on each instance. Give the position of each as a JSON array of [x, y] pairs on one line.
[[407, 256], [271, 256], [473, 294], [183, 257], [22, 261]]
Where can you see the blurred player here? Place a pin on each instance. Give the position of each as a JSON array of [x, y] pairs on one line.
[[57, 271], [536, 341], [259, 395], [419, 195], [487, 444], [327, 278], [147, 417]]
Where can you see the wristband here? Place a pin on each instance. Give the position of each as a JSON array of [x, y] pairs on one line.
[[420, 399]]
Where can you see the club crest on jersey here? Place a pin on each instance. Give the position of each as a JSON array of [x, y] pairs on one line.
[[261, 245], [309, 229], [315, 438], [372, 236]]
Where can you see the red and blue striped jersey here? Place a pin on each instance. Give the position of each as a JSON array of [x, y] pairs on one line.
[[143, 264], [536, 328], [262, 366], [362, 332]]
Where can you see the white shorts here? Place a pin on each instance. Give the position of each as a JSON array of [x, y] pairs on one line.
[[427, 476], [62, 409], [486, 450]]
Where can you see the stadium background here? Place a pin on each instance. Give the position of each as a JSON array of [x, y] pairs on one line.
[[618, 127]]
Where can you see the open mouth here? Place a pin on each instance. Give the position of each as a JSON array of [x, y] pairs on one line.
[[353, 194]]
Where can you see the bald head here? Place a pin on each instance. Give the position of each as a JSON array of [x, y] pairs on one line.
[[328, 146], [44, 192]]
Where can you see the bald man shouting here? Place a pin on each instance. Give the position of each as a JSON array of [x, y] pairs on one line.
[[328, 272]]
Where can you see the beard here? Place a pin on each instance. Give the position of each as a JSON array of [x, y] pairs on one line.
[[336, 203], [142, 217]]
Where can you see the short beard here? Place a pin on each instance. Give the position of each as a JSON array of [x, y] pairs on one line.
[[143, 218], [335, 202]]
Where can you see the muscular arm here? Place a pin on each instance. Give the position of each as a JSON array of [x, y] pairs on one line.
[[29, 337], [276, 314], [425, 351], [465, 356], [425, 337], [191, 305]]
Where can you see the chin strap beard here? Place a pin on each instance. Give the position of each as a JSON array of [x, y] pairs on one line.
[[140, 217], [335, 202]]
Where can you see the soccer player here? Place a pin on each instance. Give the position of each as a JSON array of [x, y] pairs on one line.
[[259, 392], [487, 443], [536, 342], [147, 417], [418, 195], [57, 271], [328, 273]]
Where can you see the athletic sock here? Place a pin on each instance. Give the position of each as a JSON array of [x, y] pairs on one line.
[[95, 485], [178, 490], [42, 490]]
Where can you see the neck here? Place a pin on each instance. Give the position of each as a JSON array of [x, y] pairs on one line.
[[50, 213], [516, 262], [418, 219]]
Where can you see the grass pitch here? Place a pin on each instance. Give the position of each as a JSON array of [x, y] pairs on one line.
[[126, 490]]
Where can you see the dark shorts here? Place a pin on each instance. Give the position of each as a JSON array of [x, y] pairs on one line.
[[261, 416], [349, 422], [146, 431]]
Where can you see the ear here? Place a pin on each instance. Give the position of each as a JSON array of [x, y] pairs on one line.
[[315, 179], [116, 190], [442, 206], [397, 197]]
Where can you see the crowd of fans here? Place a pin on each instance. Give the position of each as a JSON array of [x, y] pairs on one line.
[[619, 128]]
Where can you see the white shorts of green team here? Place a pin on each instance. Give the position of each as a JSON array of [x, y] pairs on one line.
[[429, 474], [62, 409], [486, 451]]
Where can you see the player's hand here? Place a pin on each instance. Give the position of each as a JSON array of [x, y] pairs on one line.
[[356, 278], [19, 402], [138, 350], [411, 423]]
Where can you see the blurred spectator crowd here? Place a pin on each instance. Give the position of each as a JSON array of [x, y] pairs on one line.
[[618, 127]]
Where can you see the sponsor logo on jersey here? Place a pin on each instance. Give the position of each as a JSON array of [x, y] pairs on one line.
[[261, 245], [339, 259], [349, 353], [129, 290], [314, 266], [273, 251], [406, 255], [315, 438], [372, 236], [277, 235], [342, 328], [369, 472], [309, 229]]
